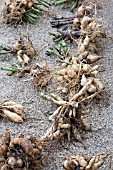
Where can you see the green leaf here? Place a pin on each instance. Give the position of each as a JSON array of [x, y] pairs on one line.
[[63, 44], [13, 69], [34, 16], [50, 113], [10, 73], [37, 7], [30, 19], [1, 53], [60, 2], [59, 47], [44, 3], [65, 50], [57, 39], [42, 93], [37, 12], [47, 2], [1, 48]]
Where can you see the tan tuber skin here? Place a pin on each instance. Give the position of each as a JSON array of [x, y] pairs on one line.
[[13, 111], [22, 152], [79, 161]]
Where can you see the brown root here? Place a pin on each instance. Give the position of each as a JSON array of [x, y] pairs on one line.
[[41, 75], [13, 111], [13, 10], [24, 49], [79, 161], [78, 81], [20, 152]]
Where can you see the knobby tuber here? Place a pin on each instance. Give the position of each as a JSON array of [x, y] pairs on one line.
[[13, 111], [78, 82], [20, 153], [15, 11], [76, 162], [78, 85], [24, 49]]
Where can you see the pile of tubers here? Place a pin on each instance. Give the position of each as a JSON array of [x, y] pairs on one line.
[[13, 111], [71, 32], [15, 11], [20, 153], [24, 49], [41, 74], [79, 83], [82, 11], [69, 117], [72, 77], [79, 162]]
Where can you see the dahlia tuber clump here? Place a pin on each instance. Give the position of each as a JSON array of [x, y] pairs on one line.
[[15, 11], [82, 163], [20, 153]]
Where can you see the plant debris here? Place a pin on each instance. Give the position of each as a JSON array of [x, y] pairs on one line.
[[41, 75], [24, 49], [11, 70], [79, 162], [68, 118], [13, 111], [20, 153], [79, 84], [15, 11], [77, 78], [60, 52], [74, 30], [65, 35], [82, 11], [59, 21], [72, 77], [67, 2]]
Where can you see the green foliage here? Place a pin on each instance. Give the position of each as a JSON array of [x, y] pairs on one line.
[[60, 2], [36, 11]]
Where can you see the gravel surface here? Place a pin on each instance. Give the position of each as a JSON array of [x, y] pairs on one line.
[[23, 90]]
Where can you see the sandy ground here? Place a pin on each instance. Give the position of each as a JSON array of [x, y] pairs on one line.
[[23, 90]]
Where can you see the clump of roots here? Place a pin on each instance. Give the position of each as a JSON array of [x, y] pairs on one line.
[[41, 75], [72, 77], [13, 111], [12, 11], [24, 49], [88, 43], [80, 162], [68, 119], [74, 24], [78, 81], [20, 153], [15, 11]]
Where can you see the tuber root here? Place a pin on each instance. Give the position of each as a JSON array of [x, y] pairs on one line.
[[13, 111], [20, 153], [79, 161]]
